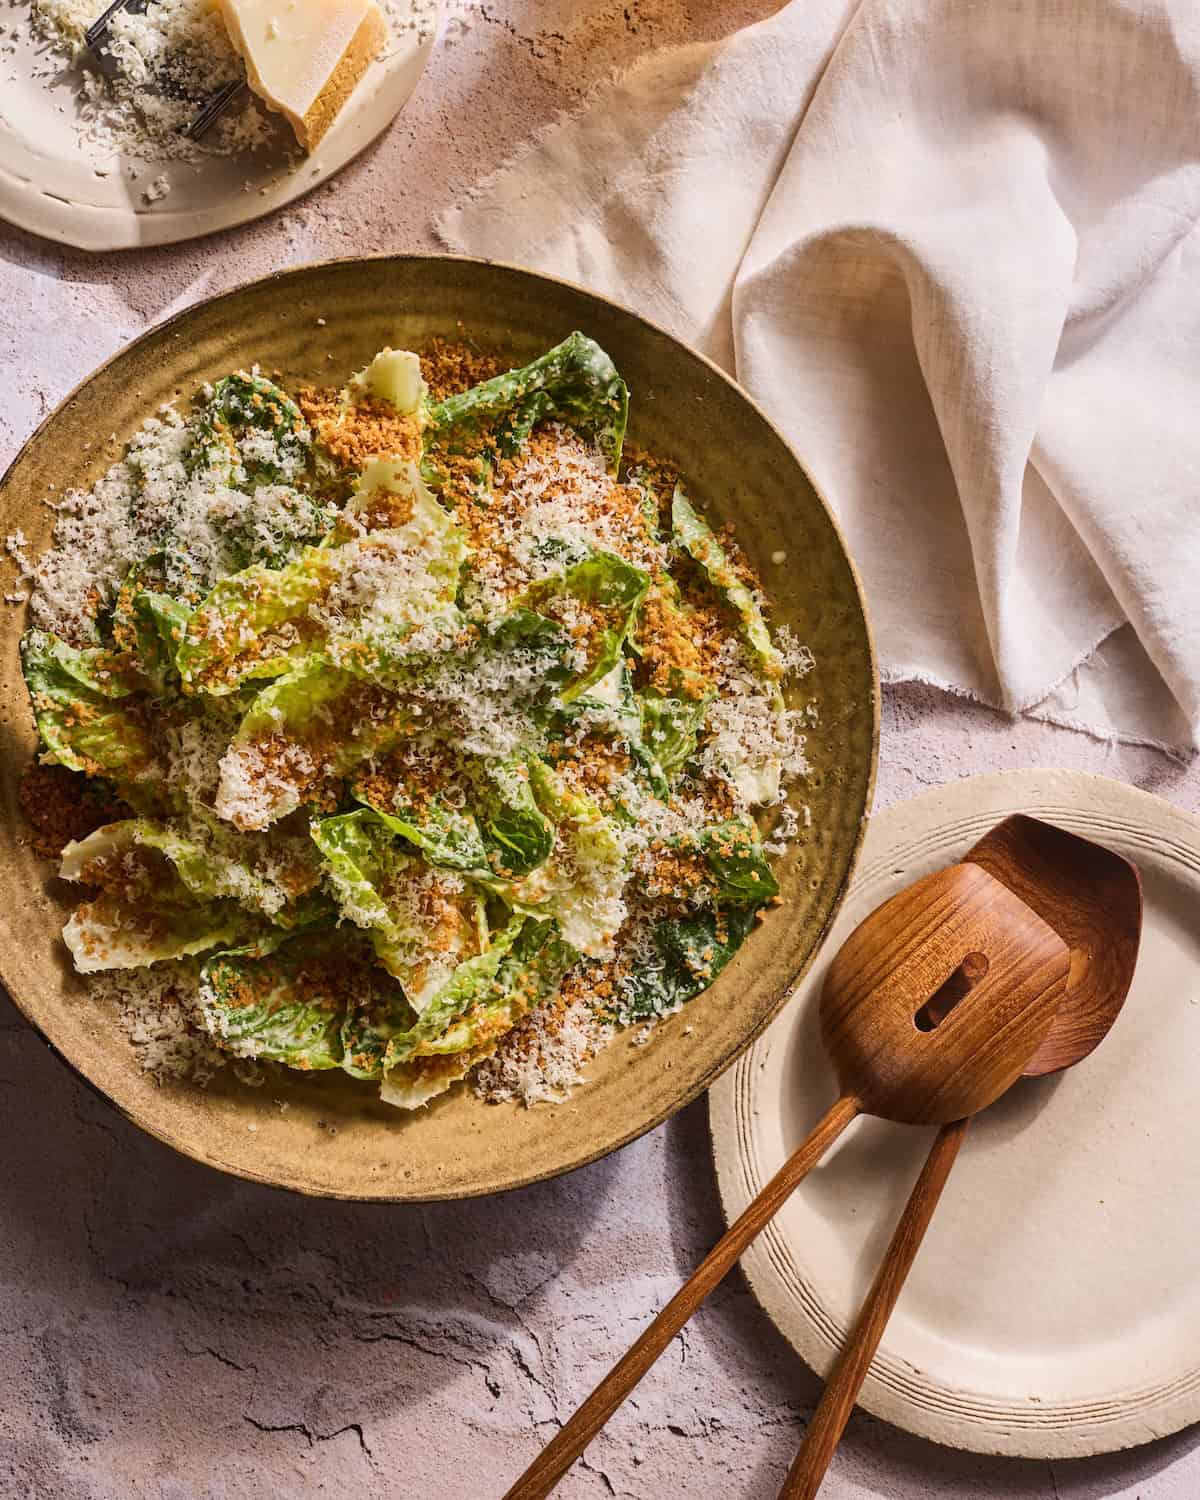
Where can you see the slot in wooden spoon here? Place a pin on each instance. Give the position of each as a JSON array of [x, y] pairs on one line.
[[1093, 899], [900, 1051]]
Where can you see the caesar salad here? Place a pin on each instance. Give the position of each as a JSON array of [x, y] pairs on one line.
[[418, 729]]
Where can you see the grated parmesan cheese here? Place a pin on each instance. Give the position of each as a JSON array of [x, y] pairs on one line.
[[165, 63], [153, 1007], [551, 505]]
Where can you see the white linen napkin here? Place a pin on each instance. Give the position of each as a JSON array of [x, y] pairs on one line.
[[951, 247]]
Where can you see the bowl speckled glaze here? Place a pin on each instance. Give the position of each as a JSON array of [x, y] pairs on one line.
[[739, 469]]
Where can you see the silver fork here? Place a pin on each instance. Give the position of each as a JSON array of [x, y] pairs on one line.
[[210, 111]]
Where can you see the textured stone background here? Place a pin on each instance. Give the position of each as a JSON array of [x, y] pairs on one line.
[[167, 1332]]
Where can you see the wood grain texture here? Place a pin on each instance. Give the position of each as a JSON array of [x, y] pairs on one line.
[[1092, 897], [956, 922], [930, 1010], [841, 1392], [561, 1452]]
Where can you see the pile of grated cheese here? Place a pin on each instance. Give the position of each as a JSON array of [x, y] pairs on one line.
[[165, 62]]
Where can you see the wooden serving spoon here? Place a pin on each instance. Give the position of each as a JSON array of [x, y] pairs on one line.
[[1093, 899], [931, 1010]]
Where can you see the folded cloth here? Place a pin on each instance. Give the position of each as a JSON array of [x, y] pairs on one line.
[[951, 247]]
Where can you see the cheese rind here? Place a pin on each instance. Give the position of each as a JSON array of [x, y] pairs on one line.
[[304, 57]]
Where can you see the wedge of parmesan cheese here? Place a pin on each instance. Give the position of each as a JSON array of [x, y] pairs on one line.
[[304, 57]]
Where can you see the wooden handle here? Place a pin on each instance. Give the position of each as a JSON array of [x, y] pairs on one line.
[[841, 1391], [561, 1452]]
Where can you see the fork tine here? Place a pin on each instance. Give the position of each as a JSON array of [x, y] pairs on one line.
[[100, 25], [215, 107]]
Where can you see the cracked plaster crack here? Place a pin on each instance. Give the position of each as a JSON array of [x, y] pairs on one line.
[[310, 1436], [220, 1358], [468, 1362], [98, 1257]]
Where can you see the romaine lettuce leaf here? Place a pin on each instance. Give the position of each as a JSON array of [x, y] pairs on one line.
[[110, 933], [277, 878], [470, 981], [575, 381], [517, 836], [90, 710], [411, 1084], [736, 859], [313, 1002], [147, 626], [496, 829], [256, 623], [144, 912], [529, 974], [356, 603], [446, 836], [531, 971], [689, 952], [422, 922], [696, 537], [691, 949], [394, 376], [670, 727], [611, 704], [281, 1002], [610, 591], [302, 733], [249, 423], [582, 882]]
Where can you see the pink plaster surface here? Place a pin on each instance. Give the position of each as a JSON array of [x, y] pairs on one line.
[[167, 1332]]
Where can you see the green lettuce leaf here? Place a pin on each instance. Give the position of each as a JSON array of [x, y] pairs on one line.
[[499, 830], [409, 1085], [612, 589], [691, 949], [582, 882], [394, 376], [305, 730], [611, 704], [89, 706], [147, 627], [313, 1002], [517, 835], [696, 537], [446, 836], [355, 603], [244, 407], [736, 858], [470, 982], [422, 923], [256, 624], [277, 878], [575, 381], [529, 974], [110, 933], [281, 1002], [670, 727], [689, 952], [144, 912]]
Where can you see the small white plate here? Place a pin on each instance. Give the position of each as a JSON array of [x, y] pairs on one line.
[[1054, 1309], [50, 182]]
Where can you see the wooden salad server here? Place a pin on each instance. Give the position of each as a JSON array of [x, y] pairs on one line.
[[1093, 899], [932, 1008]]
